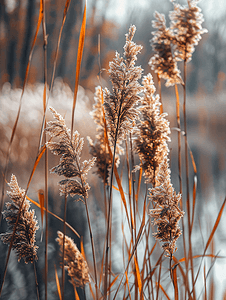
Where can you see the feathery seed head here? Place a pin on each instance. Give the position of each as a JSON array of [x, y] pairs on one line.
[[120, 105], [164, 62], [99, 148], [153, 132], [186, 23], [166, 213], [24, 238], [70, 150], [73, 261]]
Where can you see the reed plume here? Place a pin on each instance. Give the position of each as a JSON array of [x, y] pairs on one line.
[[166, 212], [70, 151], [153, 132], [164, 61], [74, 262], [186, 23], [24, 238], [120, 105], [99, 148]]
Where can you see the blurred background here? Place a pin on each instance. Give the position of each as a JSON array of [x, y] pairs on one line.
[[107, 23]]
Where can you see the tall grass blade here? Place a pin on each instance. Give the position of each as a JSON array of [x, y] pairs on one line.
[[205, 292], [211, 236], [139, 183], [113, 282], [215, 226], [76, 294], [46, 153], [159, 279], [174, 275], [58, 283], [194, 200], [78, 64], [41, 201], [49, 212], [127, 282], [179, 139], [164, 292], [138, 275], [67, 4]]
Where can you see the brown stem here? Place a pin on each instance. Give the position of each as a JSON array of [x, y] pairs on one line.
[[36, 280], [110, 198], [63, 273], [89, 223], [93, 248], [160, 93], [46, 155], [187, 185], [179, 140]]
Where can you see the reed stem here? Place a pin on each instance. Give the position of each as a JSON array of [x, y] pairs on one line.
[[190, 256], [36, 280], [63, 272]]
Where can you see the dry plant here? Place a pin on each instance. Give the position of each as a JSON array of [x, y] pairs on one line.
[[24, 238], [131, 127], [74, 262]]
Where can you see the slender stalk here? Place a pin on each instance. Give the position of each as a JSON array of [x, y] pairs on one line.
[[133, 182], [90, 230], [180, 169], [160, 93], [63, 272], [135, 211], [159, 278], [46, 155], [129, 188], [108, 226], [46, 217], [92, 244], [179, 140], [187, 185], [110, 198], [36, 280]]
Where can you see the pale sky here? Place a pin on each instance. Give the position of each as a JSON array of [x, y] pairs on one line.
[[118, 10]]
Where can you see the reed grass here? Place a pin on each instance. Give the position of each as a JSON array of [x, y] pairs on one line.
[[131, 129]]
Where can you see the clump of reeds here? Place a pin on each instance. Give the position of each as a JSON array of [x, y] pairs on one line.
[[128, 114], [24, 237], [74, 262]]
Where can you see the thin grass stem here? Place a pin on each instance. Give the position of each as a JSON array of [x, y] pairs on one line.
[[64, 229], [46, 155], [36, 280], [110, 201], [160, 93], [190, 256]]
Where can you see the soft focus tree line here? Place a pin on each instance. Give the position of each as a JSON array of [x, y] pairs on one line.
[[18, 23]]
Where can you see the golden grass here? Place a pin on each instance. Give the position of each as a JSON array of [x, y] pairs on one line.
[[145, 272]]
